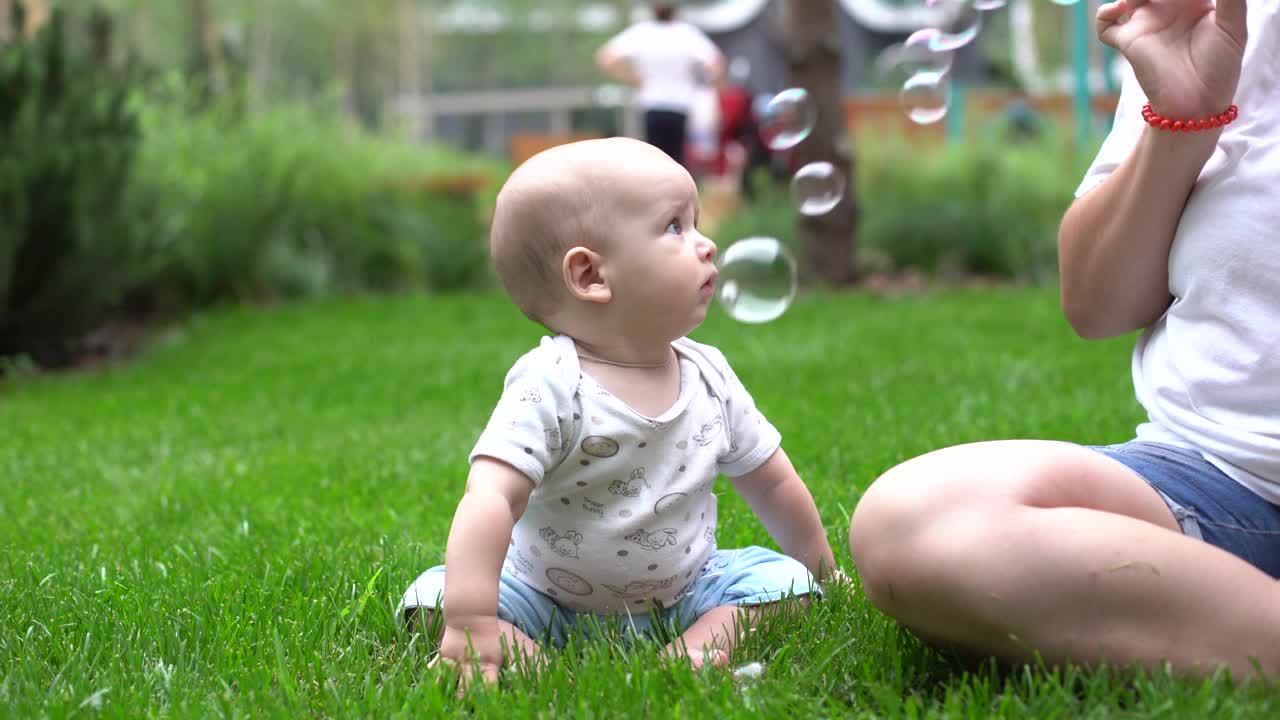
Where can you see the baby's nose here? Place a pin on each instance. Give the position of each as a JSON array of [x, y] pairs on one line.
[[706, 248]]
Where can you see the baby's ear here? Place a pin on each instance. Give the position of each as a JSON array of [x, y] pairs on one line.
[[582, 276]]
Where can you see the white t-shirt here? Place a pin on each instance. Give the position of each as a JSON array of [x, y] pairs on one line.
[[1208, 372], [665, 55], [622, 511]]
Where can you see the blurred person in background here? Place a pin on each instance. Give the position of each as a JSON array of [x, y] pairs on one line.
[[669, 61], [742, 149]]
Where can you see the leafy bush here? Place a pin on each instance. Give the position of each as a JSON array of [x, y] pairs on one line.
[[109, 191], [291, 201], [67, 145], [984, 207]]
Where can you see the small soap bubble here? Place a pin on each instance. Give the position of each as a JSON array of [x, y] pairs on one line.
[[787, 119], [964, 20], [926, 97], [816, 188], [902, 60]]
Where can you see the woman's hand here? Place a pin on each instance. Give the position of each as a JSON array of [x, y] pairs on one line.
[[1186, 54]]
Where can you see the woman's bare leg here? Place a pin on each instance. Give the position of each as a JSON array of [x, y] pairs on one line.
[[1019, 548]]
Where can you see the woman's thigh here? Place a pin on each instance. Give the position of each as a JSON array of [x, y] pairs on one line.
[[989, 477], [1208, 504]]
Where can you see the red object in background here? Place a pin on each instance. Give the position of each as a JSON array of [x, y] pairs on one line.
[[735, 110]]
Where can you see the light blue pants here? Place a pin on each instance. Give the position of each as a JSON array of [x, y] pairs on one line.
[[750, 576]]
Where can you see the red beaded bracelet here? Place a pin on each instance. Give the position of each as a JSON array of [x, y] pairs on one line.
[[1164, 123]]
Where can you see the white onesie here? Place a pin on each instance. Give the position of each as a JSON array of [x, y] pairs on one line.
[[622, 511]]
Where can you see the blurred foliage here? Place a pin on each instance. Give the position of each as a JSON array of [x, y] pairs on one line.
[[67, 145], [292, 201], [124, 194], [986, 207], [369, 51], [375, 50]]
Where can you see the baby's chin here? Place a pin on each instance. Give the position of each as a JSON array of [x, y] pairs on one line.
[[699, 317]]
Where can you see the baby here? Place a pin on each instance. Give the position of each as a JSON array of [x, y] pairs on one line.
[[590, 491]]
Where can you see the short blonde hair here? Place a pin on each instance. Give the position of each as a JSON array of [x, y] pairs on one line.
[[544, 209]]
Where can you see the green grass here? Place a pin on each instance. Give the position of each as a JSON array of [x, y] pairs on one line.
[[223, 526]]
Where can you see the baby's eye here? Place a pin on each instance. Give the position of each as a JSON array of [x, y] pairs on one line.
[[675, 228]]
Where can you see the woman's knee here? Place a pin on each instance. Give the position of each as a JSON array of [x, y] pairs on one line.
[[917, 518], [894, 534], [886, 523]]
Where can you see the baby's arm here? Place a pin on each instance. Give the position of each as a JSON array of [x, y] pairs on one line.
[[783, 503], [496, 497]]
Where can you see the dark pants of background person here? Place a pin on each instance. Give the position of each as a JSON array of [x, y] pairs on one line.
[[758, 158], [666, 130]]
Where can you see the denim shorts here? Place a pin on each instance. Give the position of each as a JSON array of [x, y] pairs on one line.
[[1207, 503], [749, 576]]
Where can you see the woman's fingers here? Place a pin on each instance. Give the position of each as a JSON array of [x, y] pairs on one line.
[[1112, 11], [1231, 16], [1108, 15]]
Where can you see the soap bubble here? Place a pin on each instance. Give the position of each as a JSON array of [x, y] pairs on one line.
[[961, 27], [757, 280], [926, 97], [787, 119], [816, 188], [900, 61]]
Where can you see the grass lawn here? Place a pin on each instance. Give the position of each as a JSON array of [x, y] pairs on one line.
[[223, 527]]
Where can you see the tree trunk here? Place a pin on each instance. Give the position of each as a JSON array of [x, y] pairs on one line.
[[140, 32], [813, 59], [260, 51], [410, 74], [6, 31], [345, 69], [38, 14], [206, 47]]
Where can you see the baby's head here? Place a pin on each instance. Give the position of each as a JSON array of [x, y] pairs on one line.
[[597, 239]]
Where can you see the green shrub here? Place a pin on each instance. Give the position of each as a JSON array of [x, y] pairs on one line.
[[984, 207], [68, 250], [292, 201]]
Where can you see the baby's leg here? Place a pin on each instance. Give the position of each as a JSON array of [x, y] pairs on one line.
[[736, 590], [713, 637]]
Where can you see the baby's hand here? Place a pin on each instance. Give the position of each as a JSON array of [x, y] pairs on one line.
[[838, 578], [472, 649]]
